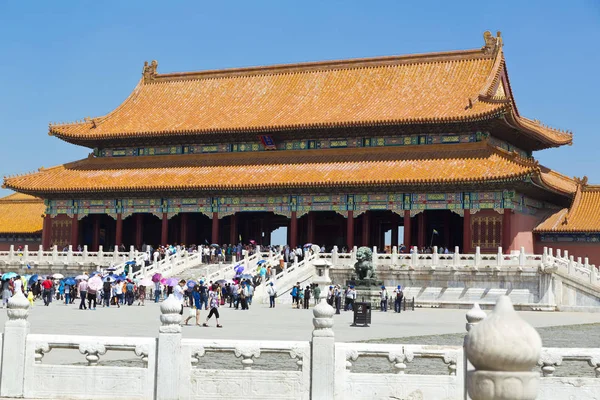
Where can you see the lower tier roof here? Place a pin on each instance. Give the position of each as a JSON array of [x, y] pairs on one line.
[[21, 214], [370, 167]]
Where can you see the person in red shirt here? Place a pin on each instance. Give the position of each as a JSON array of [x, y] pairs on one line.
[[47, 286]]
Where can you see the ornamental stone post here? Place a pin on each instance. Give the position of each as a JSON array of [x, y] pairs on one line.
[[474, 316], [503, 349], [16, 330], [169, 351], [323, 353]]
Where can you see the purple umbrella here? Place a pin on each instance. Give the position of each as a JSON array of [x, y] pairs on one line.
[[238, 269], [156, 278], [172, 282]]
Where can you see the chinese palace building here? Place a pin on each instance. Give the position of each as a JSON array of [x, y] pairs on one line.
[[21, 220], [339, 152]]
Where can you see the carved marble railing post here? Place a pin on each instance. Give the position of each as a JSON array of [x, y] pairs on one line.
[[11, 253], [545, 255], [415, 256], [169, 350], [435, 260], [571, 265], [522, 257], [456, 258], [92, 352], [54, 254], [26, 253], [323, 353], [40, 254], [85, 253], [375, 257], [16, 330], [503, 349], [474, 316], [70, 254], [593, 273], [394, 255], [499, 257], [131, 252], [353, 255], [116, 254], [334, 255], [477, 256]]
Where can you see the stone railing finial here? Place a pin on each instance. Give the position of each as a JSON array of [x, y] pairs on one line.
[[170, 317], [504, 349], [18, 309], [474, 316], [323, 319]]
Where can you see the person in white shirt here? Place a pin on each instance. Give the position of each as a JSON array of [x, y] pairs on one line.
[[18, 284], [272, 293], [383, 294], [178, 293]]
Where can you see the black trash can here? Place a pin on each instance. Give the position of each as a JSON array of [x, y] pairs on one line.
[[362, 314]]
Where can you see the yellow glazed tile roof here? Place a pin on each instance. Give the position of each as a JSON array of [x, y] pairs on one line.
[[407, 165], [21, 214], [426, 88], [582, 216]]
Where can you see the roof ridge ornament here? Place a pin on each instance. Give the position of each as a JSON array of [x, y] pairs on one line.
[[149, 72], [492, 44]]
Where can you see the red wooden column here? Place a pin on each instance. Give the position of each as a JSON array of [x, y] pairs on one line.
[[467, 232], [74, 232], [311, 227], [394, 229], [183, 228], [421, 230], [407, 229], [139, 230], [350, 230], [47, 231], [215, 228], [294, 230], [366, 228], [233, 231], [119, 230], [164, 229], [95, 232], [506, 231]]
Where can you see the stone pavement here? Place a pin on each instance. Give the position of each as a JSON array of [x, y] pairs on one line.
[[260, 322]]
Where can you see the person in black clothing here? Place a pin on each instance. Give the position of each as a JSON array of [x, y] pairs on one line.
[[307, 292], [106, 289]]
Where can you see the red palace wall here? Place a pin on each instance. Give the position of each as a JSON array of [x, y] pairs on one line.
[[521, 230]]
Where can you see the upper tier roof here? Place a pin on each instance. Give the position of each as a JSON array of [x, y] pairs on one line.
[[290, 170], [434, 88], [21, 214], [583, 215]]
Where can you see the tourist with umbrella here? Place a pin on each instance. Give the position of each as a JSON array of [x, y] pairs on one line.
[[82, 287], [94, 285], [195, 306]]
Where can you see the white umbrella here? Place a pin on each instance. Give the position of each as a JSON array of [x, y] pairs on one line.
[[95, 283], [58, 276]]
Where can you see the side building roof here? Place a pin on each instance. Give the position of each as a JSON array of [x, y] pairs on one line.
[[432, 88], [582, 217], [21, 214]]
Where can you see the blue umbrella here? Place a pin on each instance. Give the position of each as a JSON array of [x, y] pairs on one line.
[[8, 275], [238, 269], [33, 279], [261, 262], [132, 262], [191, 284], [69, 281]]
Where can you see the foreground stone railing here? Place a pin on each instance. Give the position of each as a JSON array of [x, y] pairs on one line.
[[495, 363]]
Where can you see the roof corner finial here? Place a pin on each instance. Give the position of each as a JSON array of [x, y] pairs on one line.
[[492, 44], [149, 71]]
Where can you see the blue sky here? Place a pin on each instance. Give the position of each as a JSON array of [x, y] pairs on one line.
[[65, 60]]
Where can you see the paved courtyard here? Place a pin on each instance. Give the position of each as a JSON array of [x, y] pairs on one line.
[[260, 322]]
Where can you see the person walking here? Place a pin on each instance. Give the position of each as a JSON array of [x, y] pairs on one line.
[[337, 297], [82, 288], [307, 293], [398, 296], [157, 289], [383, 295], [91, 297], [272, 293], [106, 293], [214, 305], [195, 306], [317, 293], [67, 294], [47, 285]]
